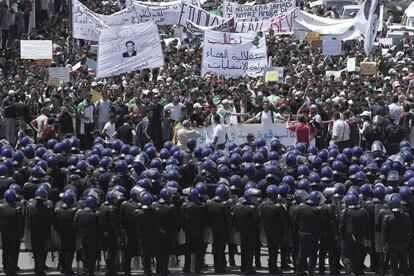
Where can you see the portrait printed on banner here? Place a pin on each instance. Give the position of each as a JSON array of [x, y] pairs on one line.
[[130, 49]]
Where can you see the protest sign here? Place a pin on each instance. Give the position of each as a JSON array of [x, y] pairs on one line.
[[234, 55], [44, 62], [96, 95], [198, 16], [248, 12], [85, 23], [335, 74], [280, 24], [125, 49], [59, 75], [339, 29], [350, 65], [238, 133], [386, 41], [312, 36], [162, 15], [331, 47], [36, 49], [271, 76], [368, 68], [226, 26], [279, 71]]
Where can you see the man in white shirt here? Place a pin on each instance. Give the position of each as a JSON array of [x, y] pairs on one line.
[[395, 109], [265, 117], [219, 133], [174, 108], [340, 132], [38, 123], [103, 109], [109, 129]]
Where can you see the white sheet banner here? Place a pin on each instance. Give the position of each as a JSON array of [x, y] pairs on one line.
[[339, 29], [198, 16], [281, 24], [162, 15], [126, 49], [238, 133], [226, 26], [85, 23], [167, 3], [36, 49], [234, 54], [249, 12]]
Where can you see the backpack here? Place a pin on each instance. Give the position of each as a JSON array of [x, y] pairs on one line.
[[271, 115], [406, 124], [48, 132]]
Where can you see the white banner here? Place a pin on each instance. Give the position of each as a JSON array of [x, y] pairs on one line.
[[234, 54], [281, 24], [226, 26], [198, 16], [238, 133], [248, 12], [36, 49], [339, 29], [162, 15], [85, 23], [126, 49], [168, 3]]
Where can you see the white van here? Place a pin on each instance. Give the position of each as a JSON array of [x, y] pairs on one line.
[[408, 17]]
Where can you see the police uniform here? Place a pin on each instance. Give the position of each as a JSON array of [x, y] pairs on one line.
[[11, 227], [129, 225], [89, 229]]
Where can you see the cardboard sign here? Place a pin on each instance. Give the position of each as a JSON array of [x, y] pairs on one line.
[[45, 62], [368, 68], [36, 49], [272, 76], [312, 36]]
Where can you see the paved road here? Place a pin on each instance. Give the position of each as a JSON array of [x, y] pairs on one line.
[[26, 264]]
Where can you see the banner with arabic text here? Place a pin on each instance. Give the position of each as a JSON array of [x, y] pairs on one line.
[[198, 16], [234, 54]]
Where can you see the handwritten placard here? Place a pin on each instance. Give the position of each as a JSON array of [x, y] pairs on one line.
[[126, 49], [91, 63], [36, 49], [350, 65], [386, 41], [251, 12], [331, 47], [234, 55], [272, 76], [59, 75]]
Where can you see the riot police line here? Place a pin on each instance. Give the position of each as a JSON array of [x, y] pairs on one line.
[[302, 203]]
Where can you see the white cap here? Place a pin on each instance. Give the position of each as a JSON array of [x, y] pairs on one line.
[[12, 92], [366, 113], [196, 105]]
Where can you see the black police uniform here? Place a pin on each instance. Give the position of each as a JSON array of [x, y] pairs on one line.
[[309, 224], [168, 219], [63, 221], [194, 219], [129, 225], [88, 227], [219, 218], [329, 240], [110, 216], [272, 215], [149, 234], [396, 232], [353, 230], [39, 220], [248, 220], [11, 227], [5, 182]]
